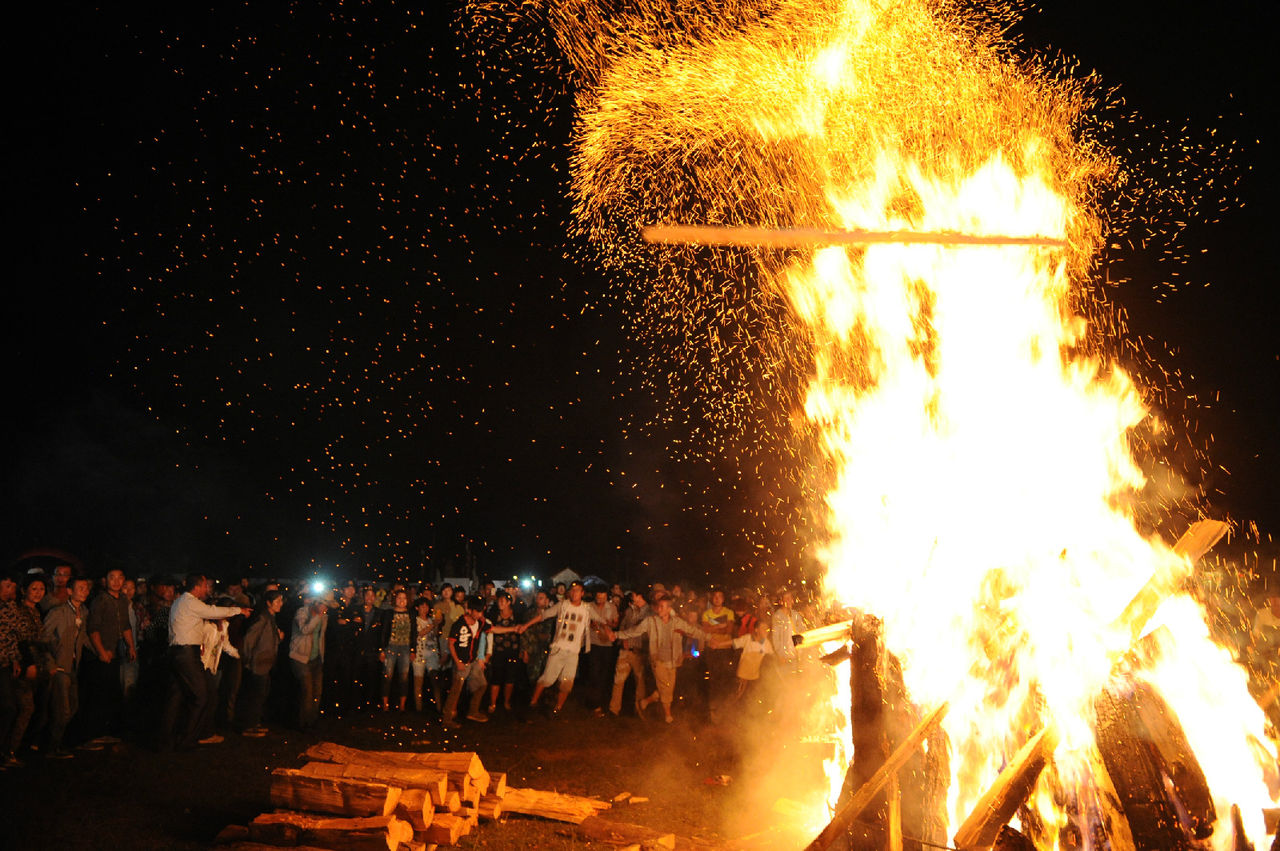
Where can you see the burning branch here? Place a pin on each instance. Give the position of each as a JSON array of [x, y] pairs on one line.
[[866, 794], [1002, 799], [755, 237]]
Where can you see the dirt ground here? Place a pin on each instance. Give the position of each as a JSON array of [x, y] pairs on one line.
[[128, 795]]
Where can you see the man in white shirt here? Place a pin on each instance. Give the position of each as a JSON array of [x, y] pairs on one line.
[[190, 685], [572, 617]]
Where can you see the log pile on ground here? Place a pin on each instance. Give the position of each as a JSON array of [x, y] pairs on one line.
[[346, 799]]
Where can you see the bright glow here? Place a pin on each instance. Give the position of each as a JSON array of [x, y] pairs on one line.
[[979, 442], [526, 584], [318, 586]]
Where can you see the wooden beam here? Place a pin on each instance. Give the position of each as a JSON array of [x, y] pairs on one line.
[[758, 237], [868, 791], [1194, 543], [1003, 797]]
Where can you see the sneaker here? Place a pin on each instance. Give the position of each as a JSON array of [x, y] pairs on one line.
[[254, 733], [108, 740], [478, 717], [91, 745], [451, 725], [60, 753], [210, 740], [14, 762], [597, 712]]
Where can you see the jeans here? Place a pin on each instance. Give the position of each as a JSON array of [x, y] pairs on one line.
[[472, 676], [397, 666], [64, 700], [424, 675], [310, 677]]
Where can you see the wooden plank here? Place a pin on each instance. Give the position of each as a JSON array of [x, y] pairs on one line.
[[1003, 797], [295, 790], [551, 805], [1194, 543], [374, 833], [464, 768], [433, 780], [868, 791]]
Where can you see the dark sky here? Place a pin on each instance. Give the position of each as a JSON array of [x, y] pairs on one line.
[[289, 289]]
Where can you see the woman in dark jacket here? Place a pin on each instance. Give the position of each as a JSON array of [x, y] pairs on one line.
[[261, 646], [396, 646]]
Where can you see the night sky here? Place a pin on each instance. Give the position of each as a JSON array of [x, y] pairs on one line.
[[293, 289]]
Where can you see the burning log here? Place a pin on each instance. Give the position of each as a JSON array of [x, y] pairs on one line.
[[869, 790], [1002, 799], [1172, 752], [435, 782], [798, 237], [551, 805], [1192, 546], [375, 833], [821, 635], [1139, 788], [1008, 839]]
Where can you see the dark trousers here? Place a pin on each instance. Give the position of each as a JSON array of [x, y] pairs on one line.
[[340, 674], [230, 674], [64, 700], [310, 677], [253, 696], [103, 699], [8, 705], [601, 662], [190, 698]]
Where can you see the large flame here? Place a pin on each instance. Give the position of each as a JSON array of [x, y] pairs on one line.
[[981, 445]]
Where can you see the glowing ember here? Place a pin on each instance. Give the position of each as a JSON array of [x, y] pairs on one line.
[[983, 475]]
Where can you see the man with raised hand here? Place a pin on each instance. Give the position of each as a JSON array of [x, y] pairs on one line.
[[572, 619]]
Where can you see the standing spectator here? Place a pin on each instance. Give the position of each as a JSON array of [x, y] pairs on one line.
[[306, 656], [130, 668], [10, 661], [754, 648], [340, 651], [368, 665], [221, 662], [718, 619], [468, 664], [786, 623], [60, 591], [190, 685], [666, 650], [426, 658], [66, 634], [397, 644], [505, 668], [33, 667], [535, 643], [631, 655], [262, 639], [111, 639], [601, 657], [572, 618]]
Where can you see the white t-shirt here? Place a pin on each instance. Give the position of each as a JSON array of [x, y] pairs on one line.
[[571, 625]]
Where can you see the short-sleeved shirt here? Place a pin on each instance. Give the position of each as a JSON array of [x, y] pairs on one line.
[[716, 616], [466, 639], [109, 617], [571, 625], [506, 645]]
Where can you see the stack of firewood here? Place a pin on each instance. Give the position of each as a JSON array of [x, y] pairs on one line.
[[347, 799]]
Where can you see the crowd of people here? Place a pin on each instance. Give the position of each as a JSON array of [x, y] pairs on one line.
[[85, 661]]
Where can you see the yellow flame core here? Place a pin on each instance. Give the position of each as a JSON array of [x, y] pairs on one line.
[[982, 461]]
